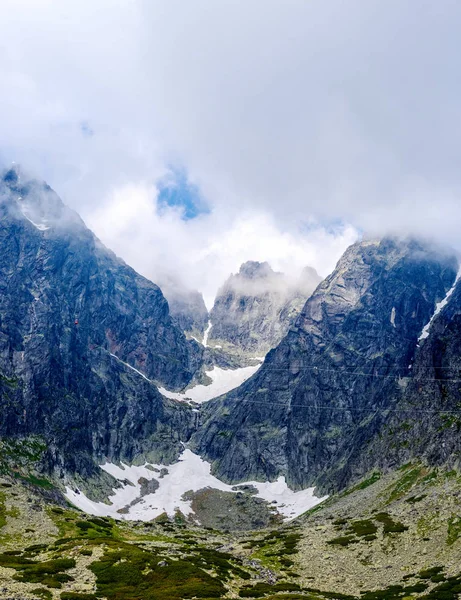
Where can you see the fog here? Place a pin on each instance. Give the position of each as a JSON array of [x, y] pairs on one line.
[[303, 124]]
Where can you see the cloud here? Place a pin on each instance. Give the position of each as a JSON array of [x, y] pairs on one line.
[[202, 252], [282, 114]]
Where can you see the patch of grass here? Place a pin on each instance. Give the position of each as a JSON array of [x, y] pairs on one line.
[[49, 573], [344, 541], [376, 476], [95, 528], [362, 528], [454, 529], [40, 482], [429, 573], [260, 590], [415, 499], [448, 590], [77, 596], [393, 592], [390, 526], [405, 483], [130, 573], [2, 510], [43, 593]]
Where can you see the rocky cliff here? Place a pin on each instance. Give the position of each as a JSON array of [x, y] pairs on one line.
[[254, 308], [187, 308], [83, 339], [324, 396]]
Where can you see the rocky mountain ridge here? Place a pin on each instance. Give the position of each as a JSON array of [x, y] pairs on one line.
[[317, 409], [84, 340], [85, 343], [254, 309]]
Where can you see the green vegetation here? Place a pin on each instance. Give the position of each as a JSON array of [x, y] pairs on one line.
[[41, 482], [130, 573], [376, 476], [49, 573], [11, 382], [343, 541], [430, 573], [393, 592], [2, 510], [43, 593], [390, 526], [260, 590], [363, 528], [405, 483], [415, 499], [454, 529], [77, 596], [19, 457]]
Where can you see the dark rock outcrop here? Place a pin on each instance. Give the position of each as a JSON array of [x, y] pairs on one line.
[[324, 395]]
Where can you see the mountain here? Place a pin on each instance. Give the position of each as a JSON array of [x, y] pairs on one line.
[[255, 308], [428, 423], [187, 308], [84, 340], [319, 404]]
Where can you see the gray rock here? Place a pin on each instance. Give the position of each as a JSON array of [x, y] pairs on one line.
[[254, 309], [326, 394], [82, 339]]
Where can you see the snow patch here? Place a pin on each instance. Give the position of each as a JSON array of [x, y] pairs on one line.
[[25, 211], [190, 473], [207, 333], [393, 316], [223, 381], [438, 308], [130, 367]]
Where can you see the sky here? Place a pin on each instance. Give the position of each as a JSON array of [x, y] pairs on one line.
[[194, 135]]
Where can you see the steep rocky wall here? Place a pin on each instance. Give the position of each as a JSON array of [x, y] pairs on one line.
[[323, 394], [71, 315]]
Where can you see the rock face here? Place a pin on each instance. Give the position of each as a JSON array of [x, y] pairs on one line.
[[187, 308], [81, 336], [316, 408], [428, 422], [254, 309]]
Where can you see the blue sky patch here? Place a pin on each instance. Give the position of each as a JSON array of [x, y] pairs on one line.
[[86, 130], [175, 190]]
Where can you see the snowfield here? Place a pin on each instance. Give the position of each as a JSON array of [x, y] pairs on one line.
[[438, 308], [190, 473], [224, 380]]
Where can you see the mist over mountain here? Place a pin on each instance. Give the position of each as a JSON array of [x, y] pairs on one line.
[[255, 308], [187, 307], [230, 300]]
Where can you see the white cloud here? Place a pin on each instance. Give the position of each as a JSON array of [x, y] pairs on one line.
[[282, 112], [202, 252]]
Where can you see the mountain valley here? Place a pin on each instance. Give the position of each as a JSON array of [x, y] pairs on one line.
[[299, 440]]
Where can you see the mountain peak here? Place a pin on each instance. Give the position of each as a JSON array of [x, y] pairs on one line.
[[252, 269], [11, 175], [35, 199]]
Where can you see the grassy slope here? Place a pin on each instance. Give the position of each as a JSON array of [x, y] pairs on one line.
[[397, 536]]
